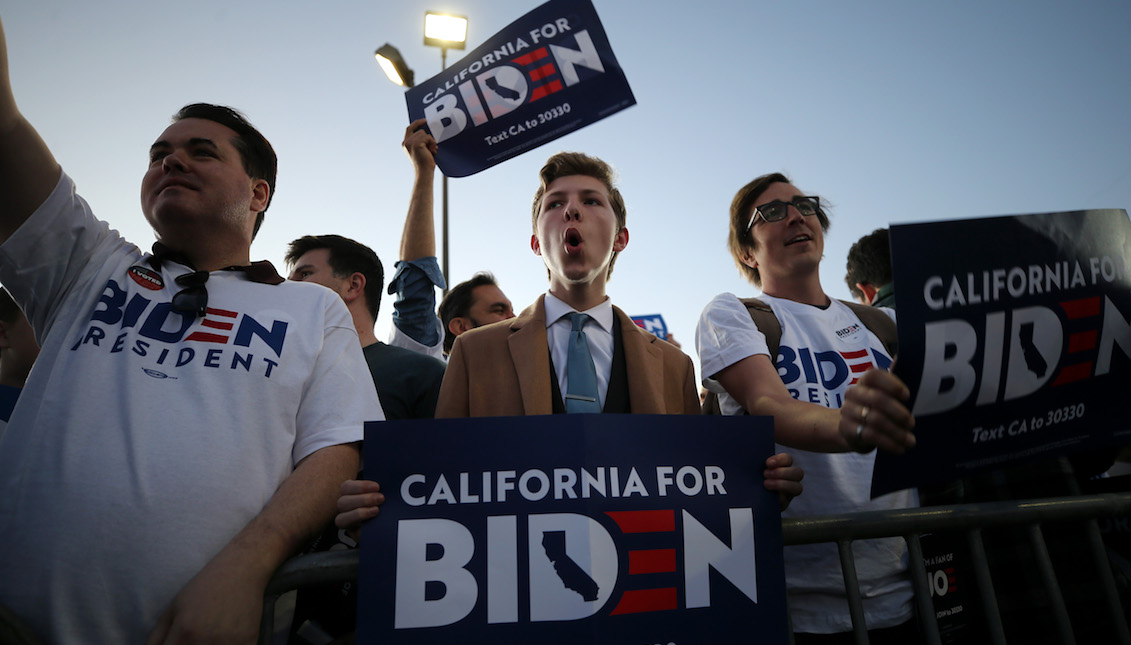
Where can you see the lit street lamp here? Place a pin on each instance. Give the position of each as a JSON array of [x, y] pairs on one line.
[[446, 31], [393, 65]]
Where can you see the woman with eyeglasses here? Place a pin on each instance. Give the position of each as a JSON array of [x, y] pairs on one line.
[[816, 365]]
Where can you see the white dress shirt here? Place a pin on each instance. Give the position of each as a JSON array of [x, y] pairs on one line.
[[599, 332]]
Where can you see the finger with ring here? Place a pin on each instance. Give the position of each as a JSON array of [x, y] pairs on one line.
[[860, 432], [863, 415]]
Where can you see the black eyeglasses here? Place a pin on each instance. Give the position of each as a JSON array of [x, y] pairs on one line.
[[776, 210], [193, 298]]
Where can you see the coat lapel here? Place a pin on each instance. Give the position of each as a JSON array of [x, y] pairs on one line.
[[530, 353], [645, 365]]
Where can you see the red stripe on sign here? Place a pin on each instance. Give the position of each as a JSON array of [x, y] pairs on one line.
[[651, 561], [543, 71], [223, 312], [216, 325], [537, 54], [643, 521], [1082, 308], [205, 337], [1072, 373], [642, 600], [859, 367], [543, 90], [857, 354], [1080, 341]]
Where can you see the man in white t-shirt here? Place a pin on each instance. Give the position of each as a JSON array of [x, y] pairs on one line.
[[191, 415], [831, 398]]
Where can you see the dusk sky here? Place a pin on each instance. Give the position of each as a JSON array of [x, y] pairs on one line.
[[891, 111]]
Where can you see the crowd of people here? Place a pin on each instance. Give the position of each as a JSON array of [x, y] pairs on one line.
[[193, 419]]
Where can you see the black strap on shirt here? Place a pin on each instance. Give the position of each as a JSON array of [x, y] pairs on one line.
[[262, 271]]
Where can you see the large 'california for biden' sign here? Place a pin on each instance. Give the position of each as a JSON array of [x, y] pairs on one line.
[[572, 528]]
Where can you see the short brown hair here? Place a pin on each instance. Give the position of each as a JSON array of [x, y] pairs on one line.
[[345, 258], [741, 208], [869, 262], [566, 164]]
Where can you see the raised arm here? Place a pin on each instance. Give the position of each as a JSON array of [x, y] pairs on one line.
[[418, 240], [415, 325], [28, 172], [874, 406]]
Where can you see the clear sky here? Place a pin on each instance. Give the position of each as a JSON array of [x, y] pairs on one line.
[[892, 111]]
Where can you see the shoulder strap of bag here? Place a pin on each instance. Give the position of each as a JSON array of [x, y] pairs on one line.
[[767, 322], [879, 324]]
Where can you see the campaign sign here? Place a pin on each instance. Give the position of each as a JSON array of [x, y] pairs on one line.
[[572, 528], [1014, 340], [653, 324], [547, 74]]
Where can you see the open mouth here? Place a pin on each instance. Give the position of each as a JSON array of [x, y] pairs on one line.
[[572, 241], [799, 239]]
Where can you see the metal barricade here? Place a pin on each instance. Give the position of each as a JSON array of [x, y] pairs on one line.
[[842, 530], [971, 519]]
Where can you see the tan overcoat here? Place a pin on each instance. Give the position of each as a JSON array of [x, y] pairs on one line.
[[503, 369]]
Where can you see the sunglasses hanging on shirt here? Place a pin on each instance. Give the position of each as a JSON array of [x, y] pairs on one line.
[[193, 297]]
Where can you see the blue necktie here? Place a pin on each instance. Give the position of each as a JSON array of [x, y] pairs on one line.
[[581, 393]]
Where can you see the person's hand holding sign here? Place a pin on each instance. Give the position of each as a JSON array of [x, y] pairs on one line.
[[874, 415], [420, 145], [784, 478], [360, 500]]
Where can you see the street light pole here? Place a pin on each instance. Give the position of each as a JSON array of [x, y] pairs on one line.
[[445, 31], [444, 200]]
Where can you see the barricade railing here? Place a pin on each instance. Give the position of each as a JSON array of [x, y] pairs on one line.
[[969, 519]]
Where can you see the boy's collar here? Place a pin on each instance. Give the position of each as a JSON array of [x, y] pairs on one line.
[[602, 313]]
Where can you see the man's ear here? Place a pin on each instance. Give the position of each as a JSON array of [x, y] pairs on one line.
[[260, 195], [748, 259], [355, 287], [869, 290], [534, 245], [459, 324]]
